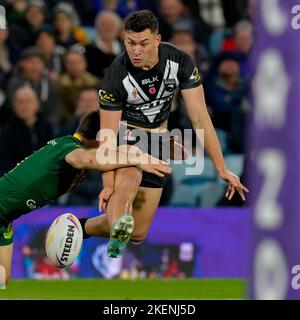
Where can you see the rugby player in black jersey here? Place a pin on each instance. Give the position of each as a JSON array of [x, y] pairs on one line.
[[138, 88]]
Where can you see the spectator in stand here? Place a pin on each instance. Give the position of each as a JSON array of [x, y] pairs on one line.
[[184, 40], [22, 33], [87, 101], [87, 192], [212, 13], [5, 69], [106, 46], [243, 38], [225, 90], [122, 7], [36, 14], [74, 79], [26, 132], [15, 10], [31, 71], [45, 41], [235, 10], [240, 42], [66, 23], [243, 41], [174, 14]]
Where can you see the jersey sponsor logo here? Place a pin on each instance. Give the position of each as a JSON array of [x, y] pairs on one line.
[[170, 84], [153, 104], [195, 75], [151, 80], [31, 204], [151, 109], [106, 97]]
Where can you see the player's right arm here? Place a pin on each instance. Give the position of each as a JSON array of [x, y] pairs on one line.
[[87, 159], [194, 100]]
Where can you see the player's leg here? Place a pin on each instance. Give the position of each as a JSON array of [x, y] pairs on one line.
[[145, 205], [144, 209], [119, 209], [6, 251], [127, 181], [95, 227], [5, 262]]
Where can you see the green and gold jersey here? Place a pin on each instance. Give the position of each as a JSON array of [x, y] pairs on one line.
[[39, 179]]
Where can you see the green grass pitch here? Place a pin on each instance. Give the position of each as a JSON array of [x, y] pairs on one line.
[[99, 289]]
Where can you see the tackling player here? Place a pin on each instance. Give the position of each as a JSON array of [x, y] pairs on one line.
[[54, 170]]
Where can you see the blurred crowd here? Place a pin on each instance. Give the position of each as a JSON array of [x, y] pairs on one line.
[[54, 54]]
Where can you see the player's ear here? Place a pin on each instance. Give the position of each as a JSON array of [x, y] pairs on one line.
[[158, 39]]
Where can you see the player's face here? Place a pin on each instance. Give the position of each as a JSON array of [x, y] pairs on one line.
[[142, 47]]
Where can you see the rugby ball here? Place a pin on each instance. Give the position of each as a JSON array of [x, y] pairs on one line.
[[64, 240]]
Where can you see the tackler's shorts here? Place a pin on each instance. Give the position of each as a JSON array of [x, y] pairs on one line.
[[6, 234], [149, 143]]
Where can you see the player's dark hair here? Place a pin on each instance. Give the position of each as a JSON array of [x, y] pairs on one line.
[[139, 21], [89, 125]]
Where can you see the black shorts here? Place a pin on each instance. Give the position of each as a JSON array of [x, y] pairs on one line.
[[148, 143]]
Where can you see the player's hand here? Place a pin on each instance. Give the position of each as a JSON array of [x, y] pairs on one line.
[[104, 196], [152, 165], [234, 184], [177, 150]]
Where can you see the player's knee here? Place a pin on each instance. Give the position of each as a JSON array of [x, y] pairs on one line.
[[130, 180], [134, 175]]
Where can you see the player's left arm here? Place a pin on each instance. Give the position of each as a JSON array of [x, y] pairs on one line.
[[197, 111], [104, 159]]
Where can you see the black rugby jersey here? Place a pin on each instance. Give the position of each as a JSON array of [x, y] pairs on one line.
[[145, 96]]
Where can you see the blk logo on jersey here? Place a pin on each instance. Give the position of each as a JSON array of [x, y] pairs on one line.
[[149, 81], [170, 84]]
